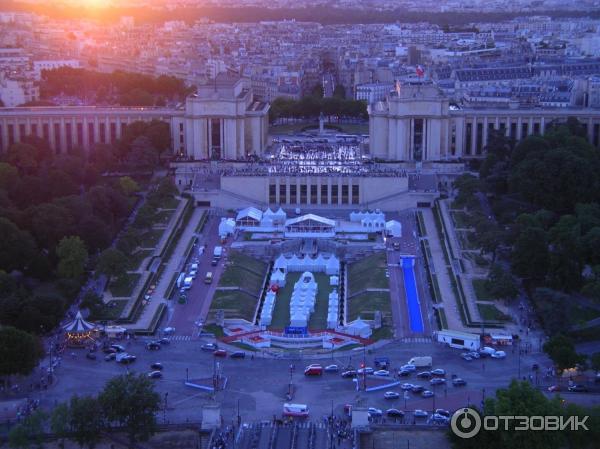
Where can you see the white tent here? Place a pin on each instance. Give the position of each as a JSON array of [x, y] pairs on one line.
[[226, 227], [393, 228], [334, 280], [333, 266], [333, 310], [278, 278], [281, 263], [279, 216], [360, 328]]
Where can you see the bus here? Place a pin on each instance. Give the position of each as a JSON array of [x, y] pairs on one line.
[[300, 410], [208, 278]]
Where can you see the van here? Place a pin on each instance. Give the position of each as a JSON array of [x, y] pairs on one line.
[[421, 362], [208, 278], [313, 370], [300, 410], [194, 267], [382, 362]]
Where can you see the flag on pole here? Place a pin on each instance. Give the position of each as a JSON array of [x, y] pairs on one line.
[[420, 71]]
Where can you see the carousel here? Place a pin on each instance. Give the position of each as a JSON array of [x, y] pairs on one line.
[[79, 332]]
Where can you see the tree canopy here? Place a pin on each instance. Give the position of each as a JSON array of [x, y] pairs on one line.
[[19, 351]]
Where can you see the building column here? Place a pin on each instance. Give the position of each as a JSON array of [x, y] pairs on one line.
[[446, 139], [542, 125], [107, 130], [485, 133], [28, 126], [474, 137], [497, 123], [530, 127], [96, 130], [118, 133], [4, 136], [328, 190], [519, 128], [51, 135], [459, 124], [85, 134]]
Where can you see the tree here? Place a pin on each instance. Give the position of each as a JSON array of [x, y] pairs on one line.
[[112, 262], [50, 223], [19, 351], [9, 176], [59, 422], [131, 402], [128, 186], [520, 399], [17, 247], [24, 157], [595, 361], [72, 255], [144, 217], [501, 284], [143, 153], [29, 432], [86, 420], [562, 352], [339, 91], [530, 253], [136, 97]]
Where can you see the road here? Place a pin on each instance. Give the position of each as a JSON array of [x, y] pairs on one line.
[[184, 316]]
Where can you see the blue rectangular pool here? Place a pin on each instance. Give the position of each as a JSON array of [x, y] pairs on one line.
[[412, 295]]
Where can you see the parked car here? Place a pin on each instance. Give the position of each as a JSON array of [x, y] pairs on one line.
[[458, 382], [118, 348], [417, 388], [427, 394], [391, 395], [220, 353], [349, 373], [411, 368], [209, 347], [437, 381], [111, 356], [109, 350], [91, 356], [382, 373], [313, 370], [404, 373], [424, 375], [477, 355], [498, 355], [394, 413], [156, 366], [554, 388], [382, 362], [439, 372], [128, 359], [238, 355], [153, 346], [155, 375], [578, 388], [438, 419], [443, 412], [366, 370], [418, 413], [466, 356], [375, 412], [407, 386], [164, 341]]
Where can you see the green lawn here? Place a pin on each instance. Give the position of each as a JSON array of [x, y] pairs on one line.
[[136, 258], [368, 273], [490, 312], [281, 311], [163, 217], [467, 239], [151, 238], [244, 272], [170, 203], [108, 312], [460, 219], [481, 290], [123, 286], [365, 304], [235, 303]]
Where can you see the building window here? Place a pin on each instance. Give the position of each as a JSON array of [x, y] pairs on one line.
[[215, 135], [293, 194], [69, 136], [524, 130], [181, 127], [103, 132], [272, 193], [313, 194], [57, 142], [503, 129], [80, 134], [536, 128], [324, 193], [46, 132], [345, 194], [113, 132], [91, 137], [34, 129], [11, 134], [282, 195], [418, 139], [355, 194], [469, 140], [513, 130], [303, 189], [334, 194], [453, 140], [479, 143]]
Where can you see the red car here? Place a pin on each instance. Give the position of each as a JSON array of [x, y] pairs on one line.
[[220, 353]]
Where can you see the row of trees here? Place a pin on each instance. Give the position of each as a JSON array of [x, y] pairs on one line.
[[125, 88], [522, 399], [128, 402], [312, 106]]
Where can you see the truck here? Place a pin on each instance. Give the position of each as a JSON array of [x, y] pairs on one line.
[[421, 362], [218, 252], [180, 280]]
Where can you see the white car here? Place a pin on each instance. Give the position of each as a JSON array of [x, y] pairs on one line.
[[382, 372], [367, 370], [498, 355], [406, 386], [487, 350], [391, 395], [420, 413], [408, 368], [332, 369], [375, 412]]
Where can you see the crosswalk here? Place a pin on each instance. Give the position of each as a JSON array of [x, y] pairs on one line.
[[181, 338], [416, 340]]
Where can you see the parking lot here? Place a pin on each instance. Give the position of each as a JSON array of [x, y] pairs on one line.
[[258, 386]]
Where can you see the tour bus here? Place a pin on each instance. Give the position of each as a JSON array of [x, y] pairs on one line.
[[208, 278], [295, 410]]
